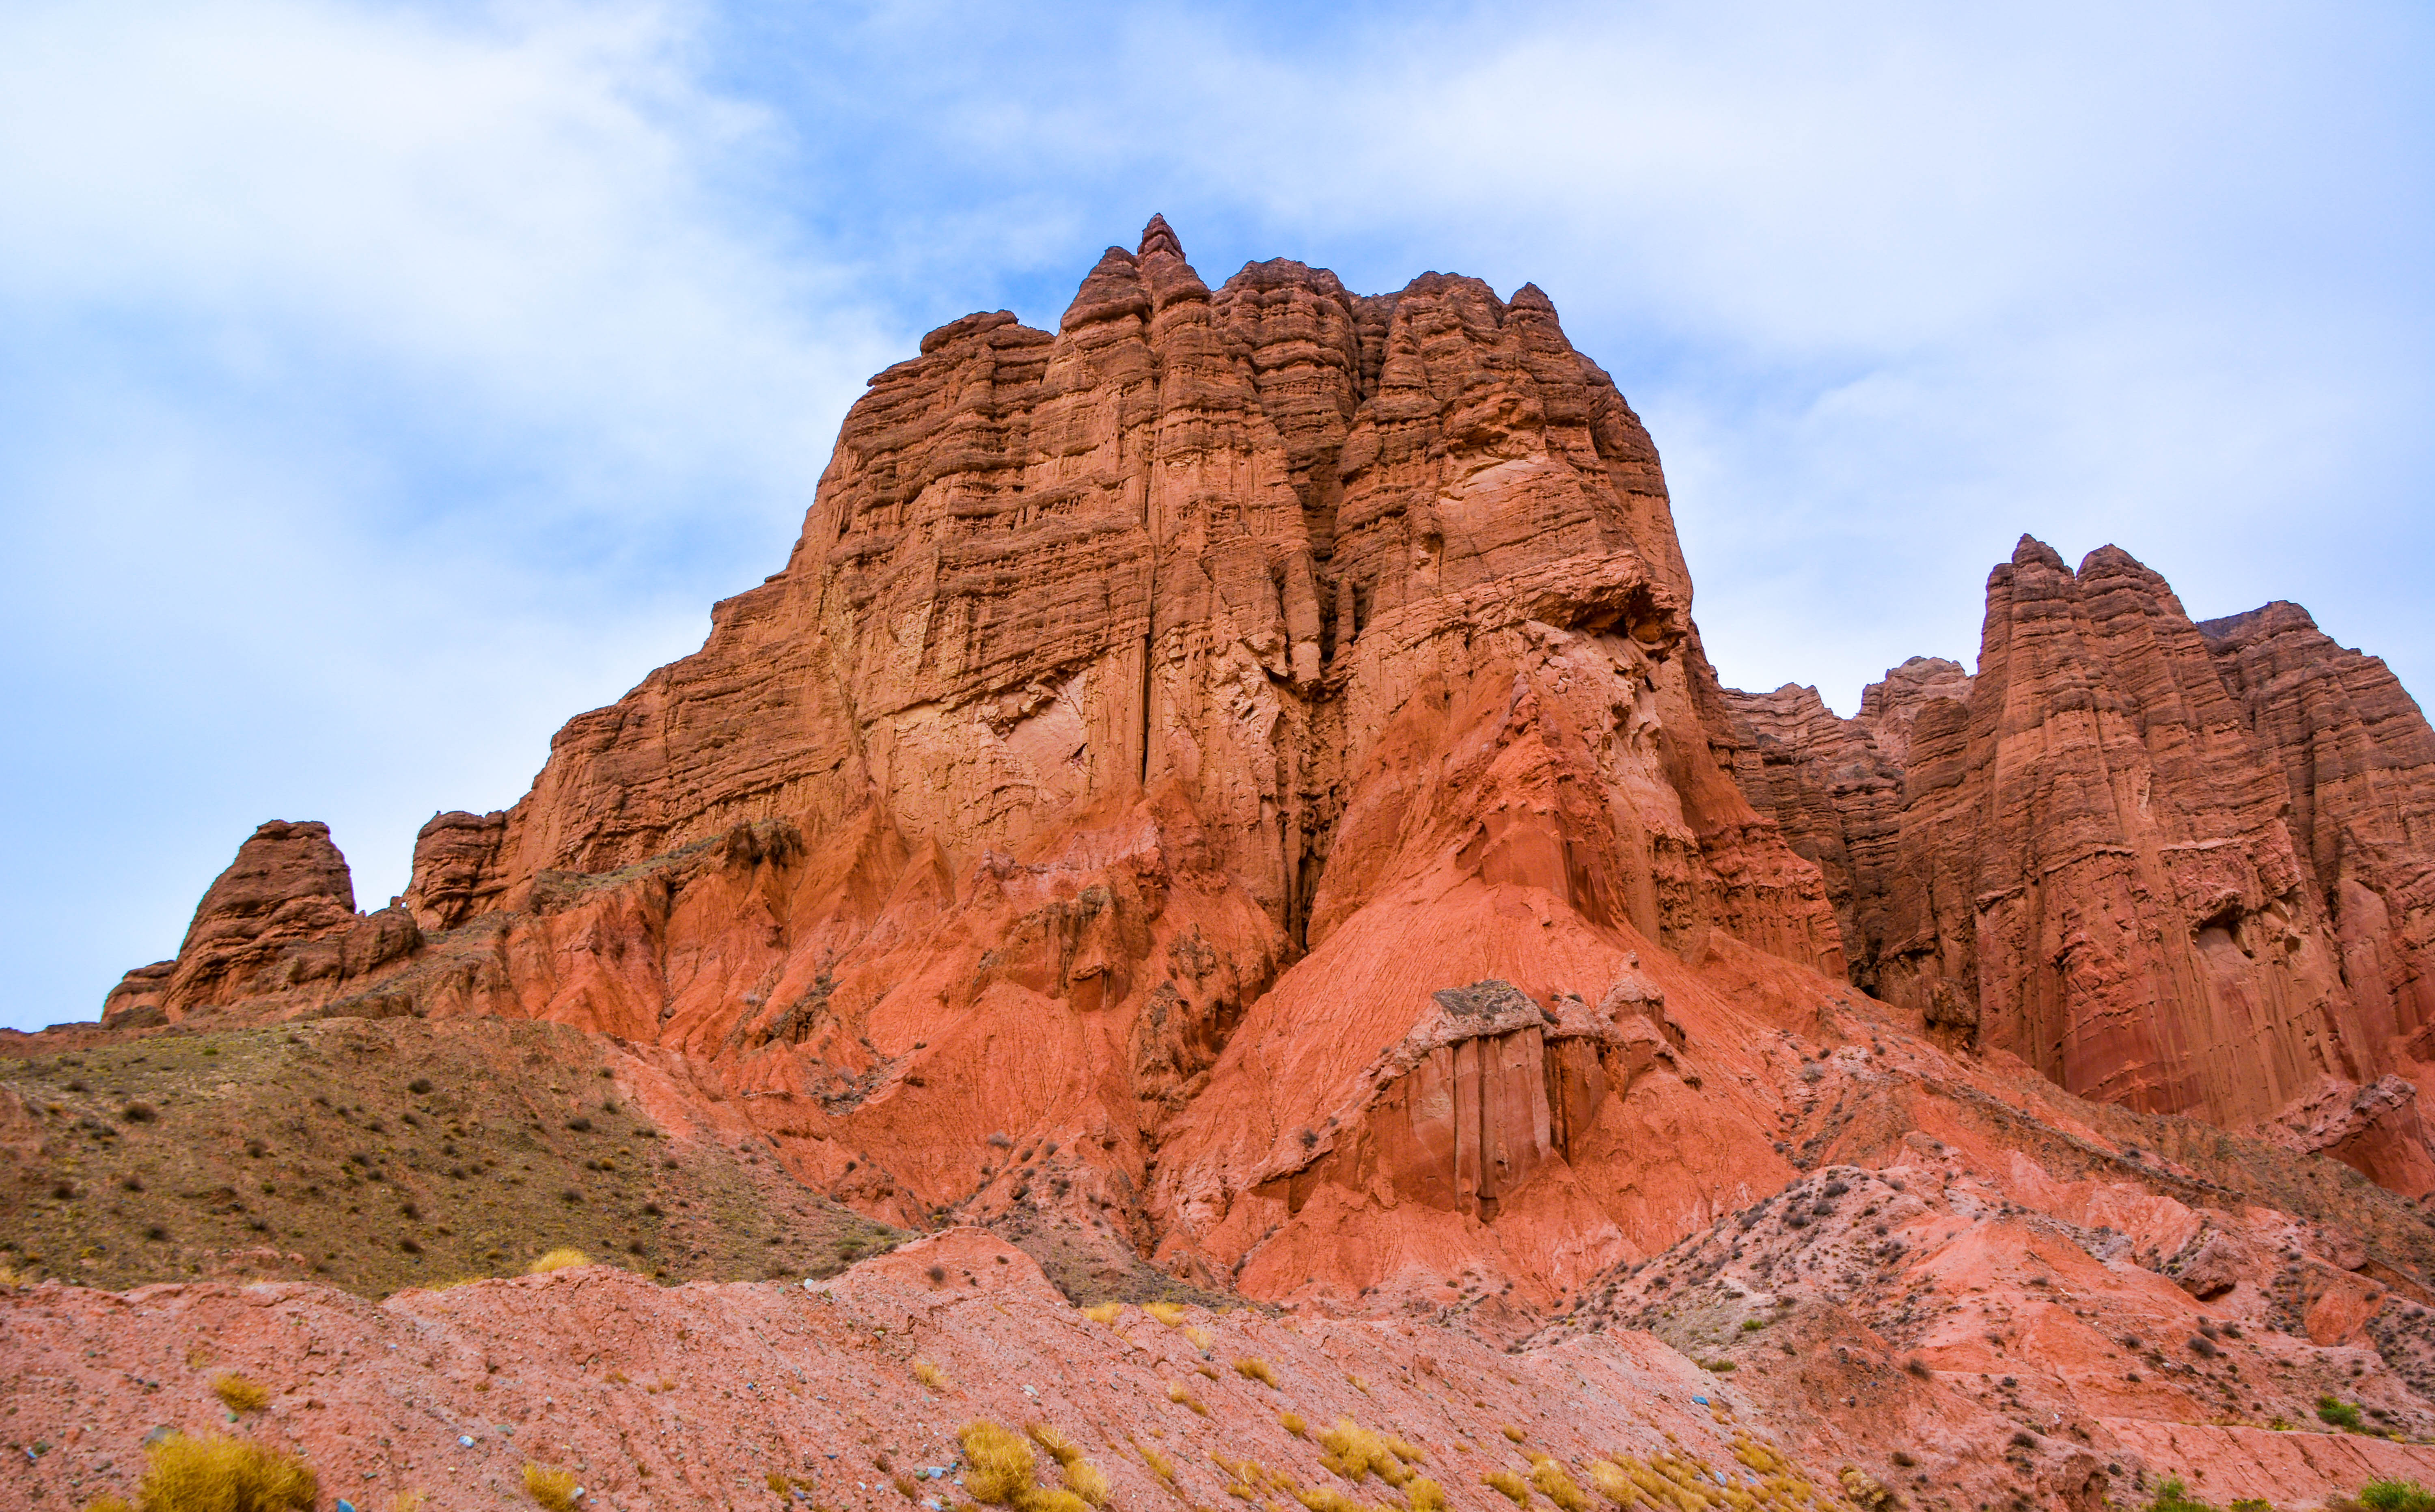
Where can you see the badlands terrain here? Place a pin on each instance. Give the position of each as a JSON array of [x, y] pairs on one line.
[[1215, 913]]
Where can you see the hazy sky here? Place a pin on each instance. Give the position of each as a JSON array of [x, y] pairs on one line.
[[382, 384]]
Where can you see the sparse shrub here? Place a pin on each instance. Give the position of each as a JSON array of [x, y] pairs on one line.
[[1104, 1313], [775, 1482], [1001, 1462], [1404, 1450], [1353, 1451], [1903, 1458], [938, 1275], [1917, 1366], [139, 1113], [216, 1474], [564, 1257], [1557, 1487], [929, 1375], [553, 1489], [1293, 1424], [1327, 1499], [2396, 1495], [1752, 1325], [2252, 1504], [1201, 1338], [1425, 1495], [1613, 1483], [419, 1086], [1512, 1433], [1082, 1478], [1204, 1370], [2337, 1413], [2204, 1346], [1513, 1488], [1255, 1368], [1159, 1464], [1176, 1393], [905, 1489], [1170, 1313], [241, 1394], [2173, 1496]]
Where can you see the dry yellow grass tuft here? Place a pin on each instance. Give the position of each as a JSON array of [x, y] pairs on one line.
[[1512, 1433], [1253, 1368], [1293, 1424], [1082, 1478], [1611, 1482], [1159, 1464], [1170, 1313], [1104, 1312], [1176, 1393], [108, 1503], [775, 1482], [562, 1258], [216, 1474], [929, 1375], [1208, 1370], [1404, 1450], [1353, 1451], [1511, 1486], [1002, 1464], [240, 1393], [1327, 1499], [1199, 1336], [906, 1488], [1426, 1495], [553, 1489], [1557, 1487]]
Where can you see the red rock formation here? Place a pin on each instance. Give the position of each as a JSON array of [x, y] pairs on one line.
[[1889, 709], [2094, 859], [2182, 866], [282, 917], [2358, 761], [1838, 797], [1198, 769], [1116, 672]]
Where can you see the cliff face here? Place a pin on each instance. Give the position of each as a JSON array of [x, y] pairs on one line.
[[1227, 795], [2178, 866], [1146, 708]]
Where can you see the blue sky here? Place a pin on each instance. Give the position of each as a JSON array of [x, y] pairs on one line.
[[382, 384]]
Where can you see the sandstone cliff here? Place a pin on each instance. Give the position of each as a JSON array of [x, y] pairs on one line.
[[1227, 795], [1147, 707], [2176, 866]]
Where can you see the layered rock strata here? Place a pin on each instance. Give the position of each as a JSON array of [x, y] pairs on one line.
[[1131, 689], [2176, 866], [281, 918]]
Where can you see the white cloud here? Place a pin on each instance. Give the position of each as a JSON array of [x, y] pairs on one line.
[[380, 391]]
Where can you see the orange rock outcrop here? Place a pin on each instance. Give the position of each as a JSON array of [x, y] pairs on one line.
[[2176, 866], [1235, 778]]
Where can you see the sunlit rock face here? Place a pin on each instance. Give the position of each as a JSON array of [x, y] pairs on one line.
[[2177, 866]]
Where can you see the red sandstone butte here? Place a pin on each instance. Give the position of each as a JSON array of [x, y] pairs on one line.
[[1249, 751]]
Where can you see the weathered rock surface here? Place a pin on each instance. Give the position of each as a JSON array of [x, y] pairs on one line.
[[282, 917], [2184, 867], [1235, 780], [1130, 690], [2358, 761]]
